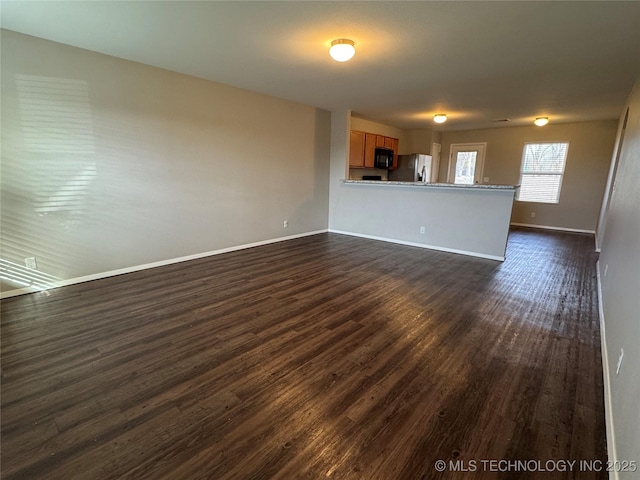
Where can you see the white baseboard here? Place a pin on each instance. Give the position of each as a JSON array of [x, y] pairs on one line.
[[608, 414], [548, 227], [112, 273], [420, 245]]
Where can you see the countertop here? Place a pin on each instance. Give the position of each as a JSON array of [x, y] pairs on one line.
[[436, 185]]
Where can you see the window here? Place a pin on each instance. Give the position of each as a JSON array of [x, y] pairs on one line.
[[542, 171], [465, 167]]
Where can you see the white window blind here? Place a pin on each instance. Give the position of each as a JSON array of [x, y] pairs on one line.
[[542, 171]]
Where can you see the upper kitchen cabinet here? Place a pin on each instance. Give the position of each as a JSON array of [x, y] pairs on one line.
[[356, 149], [369, 150], [362, 149]]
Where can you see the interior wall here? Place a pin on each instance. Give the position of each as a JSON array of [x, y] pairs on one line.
[[461, 220], [420, 140], [613, 168], [340, 126], [619, 266], [590, 150], [110, 164]]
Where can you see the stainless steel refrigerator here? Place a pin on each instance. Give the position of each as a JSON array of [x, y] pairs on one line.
[[417, 167]]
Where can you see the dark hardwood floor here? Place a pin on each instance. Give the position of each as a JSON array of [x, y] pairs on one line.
[[322, 357]]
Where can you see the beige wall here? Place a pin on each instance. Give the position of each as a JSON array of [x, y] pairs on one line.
[[421, 139], [110, 164], [619, 267], [469, 221], [590, 149]]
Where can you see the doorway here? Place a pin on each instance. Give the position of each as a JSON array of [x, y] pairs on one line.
[[466, 163]]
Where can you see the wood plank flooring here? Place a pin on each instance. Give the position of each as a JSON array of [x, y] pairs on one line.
[[322, 357]]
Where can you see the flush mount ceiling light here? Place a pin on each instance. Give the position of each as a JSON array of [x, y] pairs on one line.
[[440, 118], [342, 49], [541, 121]]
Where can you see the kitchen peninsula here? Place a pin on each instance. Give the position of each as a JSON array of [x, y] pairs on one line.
[[467, 219]]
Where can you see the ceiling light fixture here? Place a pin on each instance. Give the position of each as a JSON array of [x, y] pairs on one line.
[[440, 117], [342, 49], [541, 121]]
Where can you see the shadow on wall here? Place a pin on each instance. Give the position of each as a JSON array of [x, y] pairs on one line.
[[18, 276], [46, 178]]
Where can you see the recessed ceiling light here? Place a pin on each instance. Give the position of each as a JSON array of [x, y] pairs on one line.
[[440, 118], [342, 49], [541, 121]]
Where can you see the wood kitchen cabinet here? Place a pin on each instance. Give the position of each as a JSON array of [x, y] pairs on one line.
[[362, 149], [369, 150], [356, 149]]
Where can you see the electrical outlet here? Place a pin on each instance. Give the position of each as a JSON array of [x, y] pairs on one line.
[[485, 179], [533, 214], [619, 361], [286, 224], [422, 230], [31, 263]]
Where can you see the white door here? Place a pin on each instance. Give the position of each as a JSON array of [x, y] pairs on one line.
[[466, 163]]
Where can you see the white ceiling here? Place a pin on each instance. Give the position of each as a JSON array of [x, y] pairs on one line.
[[477, 61]]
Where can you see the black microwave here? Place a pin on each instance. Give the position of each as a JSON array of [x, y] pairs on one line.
[[383, 158]]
